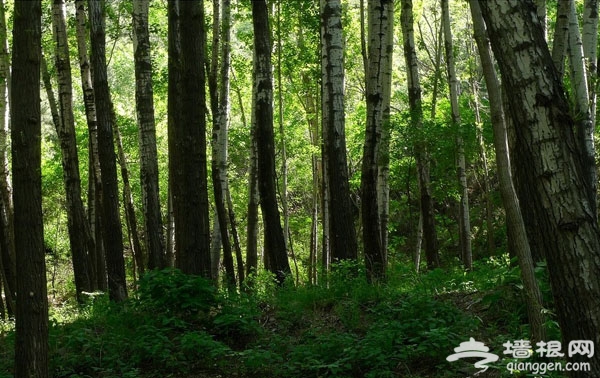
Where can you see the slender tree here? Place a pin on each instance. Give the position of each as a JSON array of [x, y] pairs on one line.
[[567, 227], [422, 156], [31, 344], [187, 138], [464, 224], [7, 243], [514, 219], [341, 221], [97, 260], [80, 239], [111, 222], [263, 90], [153, 228]]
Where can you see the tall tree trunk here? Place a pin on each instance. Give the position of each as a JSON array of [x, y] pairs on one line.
[[583, 122], [130, 218], [187, 137], [568, 229], [341, 221], [80, 238], [31, 343], [153, 228], [218, 83], [464, 224], [263, 87], [560, 40], [422, 156], [380, 15], [98, 262], [514, 220], [111, 222], [7, 242]]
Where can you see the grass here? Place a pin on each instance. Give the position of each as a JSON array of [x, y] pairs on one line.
[[180, 326]]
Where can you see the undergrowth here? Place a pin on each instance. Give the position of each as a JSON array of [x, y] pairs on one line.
[[177, 326]]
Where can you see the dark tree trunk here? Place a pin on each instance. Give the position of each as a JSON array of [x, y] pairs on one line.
[[567, 228], [31, 344], [187, 137], [153, 229], [263, 88], [111, 222], [341, 220]]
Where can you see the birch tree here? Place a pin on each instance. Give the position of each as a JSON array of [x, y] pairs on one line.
[[275, 248], [380, 20], [111, 220], [153, 227], [567, 228], [421, 154], [343, 235], [80, 238], [464, 223]]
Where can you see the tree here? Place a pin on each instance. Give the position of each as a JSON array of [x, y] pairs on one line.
[[31, 344], [81, 241], [341, 220], [187, 138], [514, 219], [422, 156], [111, 222], [464, 220], [275, 249], [97, 257], [378, 83], [567, 228], [153, 228]]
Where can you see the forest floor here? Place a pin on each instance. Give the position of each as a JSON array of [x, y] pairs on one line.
[[179, 326]]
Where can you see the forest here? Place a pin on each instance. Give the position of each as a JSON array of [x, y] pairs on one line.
[[300, 188]]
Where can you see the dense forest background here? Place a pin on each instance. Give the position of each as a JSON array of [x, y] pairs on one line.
[[294, 188]]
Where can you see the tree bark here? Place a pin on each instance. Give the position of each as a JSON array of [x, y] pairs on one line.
[[187, 137], [380, 16], [561, 29], [422, 156], [31, 343], [583, 122], [263, 88], [111, 222], [81, 241], [97, 261], [514, 219], [153, 227], [567, 227], [341, 220], [590, 51], [464, 224]]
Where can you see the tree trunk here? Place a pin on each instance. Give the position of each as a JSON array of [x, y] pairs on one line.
[[130, 218], [98, 262], [153, 228], [7, 242], [31, 343], [187, 137], [422, 156], [379, 75], [80, 238], [464, 224], [341, 221], [567, 227], [263, 89], [583, 122], [514, 220], [111, 222], [590, 51], [561, 30]]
